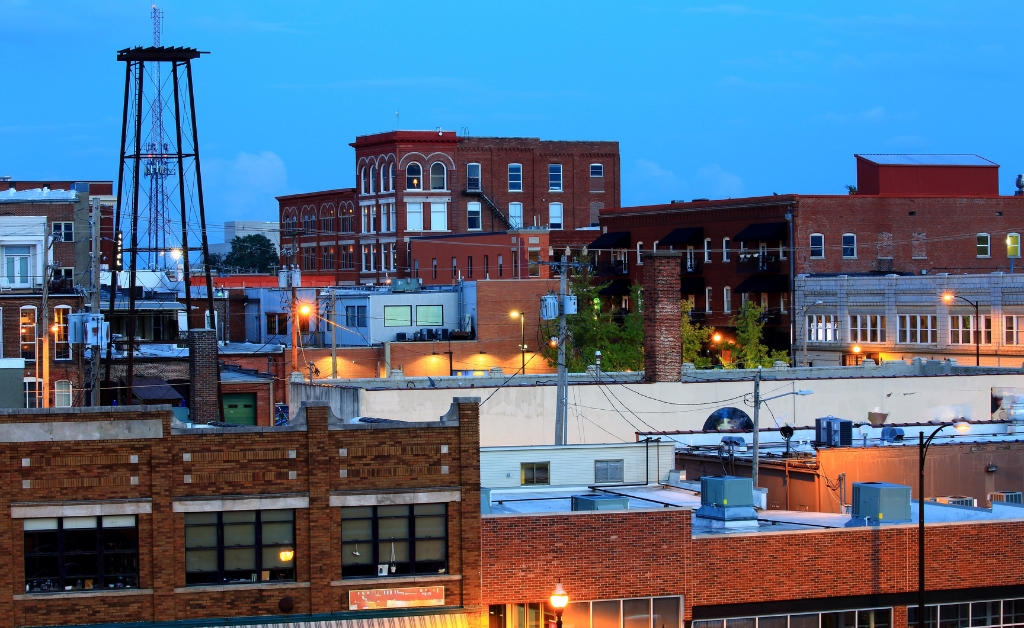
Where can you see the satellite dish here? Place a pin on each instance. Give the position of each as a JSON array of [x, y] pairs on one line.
[[725, 419]]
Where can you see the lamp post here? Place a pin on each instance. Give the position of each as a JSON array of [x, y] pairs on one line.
[[961, 425], [757, 405], [716, 340], [807, 331], [522, 346], [559, 600], [948, 298]]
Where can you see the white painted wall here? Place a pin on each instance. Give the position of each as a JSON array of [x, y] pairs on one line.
[[526, 415], [573, 465]]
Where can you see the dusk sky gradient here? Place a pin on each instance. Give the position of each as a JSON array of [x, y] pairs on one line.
[[706, 100]]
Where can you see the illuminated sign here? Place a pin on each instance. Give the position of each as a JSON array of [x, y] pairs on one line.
[[370, 599]]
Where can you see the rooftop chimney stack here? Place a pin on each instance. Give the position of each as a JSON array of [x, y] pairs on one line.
[[662, 344], [204, 375]]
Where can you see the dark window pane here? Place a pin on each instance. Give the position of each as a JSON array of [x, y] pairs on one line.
[[954, 615], [778, 621], [120, 539], [42, 567], [637, 613], [80, 540], [120, 564], [666, 612], [1013, 611], [606, 614], [844, 619], [41, 541], [985, 613], [740, 622], [808, 620], [201, 536], [878, 618]]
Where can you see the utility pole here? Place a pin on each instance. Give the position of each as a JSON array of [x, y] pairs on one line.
[[562, 411], [94, 307], [334, 334], [45, 326], [295, 303], [757, 407]]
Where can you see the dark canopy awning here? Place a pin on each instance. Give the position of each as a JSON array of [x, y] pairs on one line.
[[615, 287], [683, 235], [763, 232], [154, 390], [611, 240], [691, 285], [764, 283]]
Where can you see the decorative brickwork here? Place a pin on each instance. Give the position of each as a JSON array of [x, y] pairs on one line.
[[662, 344]]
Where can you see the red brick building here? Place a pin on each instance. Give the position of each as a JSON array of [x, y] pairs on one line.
[[929, 214], [430, 183]]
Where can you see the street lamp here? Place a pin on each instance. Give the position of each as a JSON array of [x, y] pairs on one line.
[[948, 298], [807, 332], [522, 329], [961, 425], [716, 340], [757, 406], [559, 600]]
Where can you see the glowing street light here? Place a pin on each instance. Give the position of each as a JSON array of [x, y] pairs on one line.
[[559, 600]]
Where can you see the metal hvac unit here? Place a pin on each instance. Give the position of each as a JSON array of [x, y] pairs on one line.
[[726, 498], [875, 503], [405, 285], [1007, 497], [599, 502], [832, 432], [957, 500]]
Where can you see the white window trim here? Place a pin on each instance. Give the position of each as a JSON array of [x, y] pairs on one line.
[[988, 245], [443, 167], [725, 249], [479, 217], [727, 300], [707, 250], [561, 178], [811, 241], [639, 257], [561, 216], [57, 394], [592, 171], [480, 177], [407, 188], [708, 295], [843, 244], [1008, 236], [509, 181]]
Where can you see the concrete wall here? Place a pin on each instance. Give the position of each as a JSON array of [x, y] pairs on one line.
[[344, 401], [574, 465]]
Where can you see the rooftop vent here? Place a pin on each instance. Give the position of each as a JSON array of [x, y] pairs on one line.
[[957, 500], [595, 501], [877, 503], [1007, 497], [726, 501], [832, 432]]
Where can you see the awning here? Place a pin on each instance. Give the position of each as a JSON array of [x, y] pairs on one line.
[[154, 390], [764, 283], [388, 618], [611, 240], [615, 287], [683, 235], [763, 232], [691, 284]]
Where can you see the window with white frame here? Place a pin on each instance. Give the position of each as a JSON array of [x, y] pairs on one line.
[[554, 177], [387, 256], [849, 246], [1013, 245], [439, 216], [984, 245], [782, 249], [707, 250], [822, 328], [62, 393], [960, 327], [596, 177], [473, 222], [364, 182], [61, 344], [515, 177], [1011, 330], [368, 258], [783, 302], [725, 249], [414, 216], [414, 176], [920, 329], [391, 177], [867, 328], [817, 246], [473, 177], [28, 332], [515, 215], [555, 216], [727, 300], [384, 179], [708, 292], [17, 263], [392, 217], [32, 388], [63, 232], [373, 179], [369, 216], [438, 176]]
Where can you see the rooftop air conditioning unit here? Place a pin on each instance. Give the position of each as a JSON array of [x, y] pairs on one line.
[[875, 503], [958, 500], [1007, 497], [727, 499], [832, 432], [599, 502]]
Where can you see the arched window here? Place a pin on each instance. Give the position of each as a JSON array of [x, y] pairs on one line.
[[327, 221], [391, 177], [384, 179], [373, 179], [414, 177], [438, 178], [364, 183]]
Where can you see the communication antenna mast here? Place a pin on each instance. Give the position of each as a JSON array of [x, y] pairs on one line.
[[157, 168]]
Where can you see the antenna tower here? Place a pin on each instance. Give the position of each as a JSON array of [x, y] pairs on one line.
[[157, 168]]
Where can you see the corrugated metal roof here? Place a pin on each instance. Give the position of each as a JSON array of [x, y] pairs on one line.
[[928, 160], [38, 194]]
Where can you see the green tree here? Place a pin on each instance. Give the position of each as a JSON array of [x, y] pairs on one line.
[[694, 336], [253, 252], [747, 350], [216, 261]]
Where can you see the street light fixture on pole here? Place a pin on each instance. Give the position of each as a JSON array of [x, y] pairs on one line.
[[522, 346], [961, 425], [757, 406], [807, 331], [948, 298], [559, 600]]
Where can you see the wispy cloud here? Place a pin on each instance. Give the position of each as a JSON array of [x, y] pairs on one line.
[[244, 187], [720, 182]]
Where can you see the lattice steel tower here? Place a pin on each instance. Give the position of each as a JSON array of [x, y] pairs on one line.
[[158, 168]]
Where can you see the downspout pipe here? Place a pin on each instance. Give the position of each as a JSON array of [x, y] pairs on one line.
[[792, 282]]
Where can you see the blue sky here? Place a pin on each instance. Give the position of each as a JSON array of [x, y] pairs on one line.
[[706, 100]]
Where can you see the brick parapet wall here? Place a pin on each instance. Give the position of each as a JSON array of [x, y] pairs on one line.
[[662, 314]]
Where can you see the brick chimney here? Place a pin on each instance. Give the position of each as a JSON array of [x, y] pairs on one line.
[[662, 344], [204, 375]]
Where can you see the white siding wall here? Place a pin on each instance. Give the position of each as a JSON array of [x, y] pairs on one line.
[[573, 465]]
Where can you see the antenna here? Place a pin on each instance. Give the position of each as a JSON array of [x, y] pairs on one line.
[[157, 168], [398, 119]]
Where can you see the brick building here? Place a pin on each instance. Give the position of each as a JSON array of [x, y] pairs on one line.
[[428, 183], [913, 214]]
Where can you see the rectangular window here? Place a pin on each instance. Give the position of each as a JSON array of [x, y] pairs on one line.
[[63, 394], [327, 263], [515, 178], [414, 216], [355, 316], [1011, 329], [817, 246], [867, 328], [849, 246], [429, 315], [28, 333], [439, 216], [596, 177], [555, 216], [63, 232], [822, 328], [984, 245], [534, 473], [33, 388], [554, 177], [416, 268], [487, 266], [918, 329], [394, 540], [455, 268], [960, 330], [707, 250], [398, 316], [501, 265], [727, 300], [347, 220], [368, 258], [240, 546], [515, 215], [61, 346], [309, 258], [277, 324], [725, 249], [392, 217], [469, 266], [608, 471], [473, 177], [81, 553], [473, 222], [1013, 245], [369, 213], [433, 268], [533, 263], [707, 299], [348, 257]]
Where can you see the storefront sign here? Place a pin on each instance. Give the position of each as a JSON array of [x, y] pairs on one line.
[[370, 599]]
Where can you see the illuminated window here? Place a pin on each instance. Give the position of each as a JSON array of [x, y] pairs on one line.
[[414, 177]]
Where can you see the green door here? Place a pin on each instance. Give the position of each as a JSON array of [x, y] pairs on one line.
[[240, 408]]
